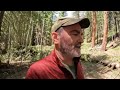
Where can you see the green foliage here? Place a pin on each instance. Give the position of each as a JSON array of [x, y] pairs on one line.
[[87, 32], [100, 21], [21, 28], [85, 48], [22, 23], [61, 13], [112, 26], [41, 53]]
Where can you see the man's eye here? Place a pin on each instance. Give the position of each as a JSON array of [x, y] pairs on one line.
[[75, 34]]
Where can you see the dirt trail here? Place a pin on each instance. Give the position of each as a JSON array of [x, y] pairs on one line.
[[98, 71], [18, 75], [14, 71]]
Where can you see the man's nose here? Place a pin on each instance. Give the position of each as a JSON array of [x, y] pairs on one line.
[[80, 39]]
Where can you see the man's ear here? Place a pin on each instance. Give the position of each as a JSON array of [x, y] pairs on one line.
[[55, 37]]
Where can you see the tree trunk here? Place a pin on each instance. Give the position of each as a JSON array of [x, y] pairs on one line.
[[33, 36], [41, 41], [1, 18], [9, 45], [93, 27], [115, 26], [104, 42], [118, 28], [97, 37]]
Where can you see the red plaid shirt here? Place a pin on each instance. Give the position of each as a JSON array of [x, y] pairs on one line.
[[50, 67]]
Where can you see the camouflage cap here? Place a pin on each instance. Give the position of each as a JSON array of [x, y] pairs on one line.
[[66, 21]]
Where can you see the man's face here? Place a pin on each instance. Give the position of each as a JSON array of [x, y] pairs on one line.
[[70, 40]]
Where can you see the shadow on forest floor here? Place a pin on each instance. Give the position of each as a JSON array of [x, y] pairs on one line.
[[92, 68], [13, 71]]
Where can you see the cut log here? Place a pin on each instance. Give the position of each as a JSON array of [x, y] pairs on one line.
[[109, 65], [118, 65], [105, 63]]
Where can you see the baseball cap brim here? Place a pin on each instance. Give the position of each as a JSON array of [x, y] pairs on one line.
[[84, 22]]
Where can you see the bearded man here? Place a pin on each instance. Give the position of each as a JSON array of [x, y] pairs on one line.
[[64, 61]]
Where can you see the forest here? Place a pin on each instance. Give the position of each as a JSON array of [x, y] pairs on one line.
[[25, 37]]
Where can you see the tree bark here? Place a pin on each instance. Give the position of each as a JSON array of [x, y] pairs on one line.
[[104, 42], [1, 18], [93, 28], [115, 18]]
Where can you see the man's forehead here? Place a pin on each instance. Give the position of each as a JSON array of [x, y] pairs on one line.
[[75, 26]]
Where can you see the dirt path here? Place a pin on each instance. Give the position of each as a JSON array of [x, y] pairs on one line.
[[18, 75], [98, 71], [15, 71]]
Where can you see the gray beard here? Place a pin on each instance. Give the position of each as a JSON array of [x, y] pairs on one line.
[[68, 50]]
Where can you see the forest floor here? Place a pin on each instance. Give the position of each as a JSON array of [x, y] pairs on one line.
[[14, 71], [92, 70]]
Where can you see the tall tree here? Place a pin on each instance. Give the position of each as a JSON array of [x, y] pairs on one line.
[[1, 18], [88, 33], [115, 18], [100, 22], [93, 27], [105, 32]]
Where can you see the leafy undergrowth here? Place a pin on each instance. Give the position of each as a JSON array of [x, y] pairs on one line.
[[17, 69]]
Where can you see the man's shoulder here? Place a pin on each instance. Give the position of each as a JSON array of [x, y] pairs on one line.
[[42, 63], [40, 68], [38, 64]]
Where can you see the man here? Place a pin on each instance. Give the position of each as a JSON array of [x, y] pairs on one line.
[[64, 60]]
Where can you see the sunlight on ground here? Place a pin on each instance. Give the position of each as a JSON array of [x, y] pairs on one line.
[[97, 70]]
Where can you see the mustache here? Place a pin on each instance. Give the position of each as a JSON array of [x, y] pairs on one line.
[[78, 45]]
